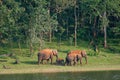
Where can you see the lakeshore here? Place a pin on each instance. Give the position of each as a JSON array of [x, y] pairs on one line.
[[54, 69]]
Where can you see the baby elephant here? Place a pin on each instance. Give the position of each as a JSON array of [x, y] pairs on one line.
[[60, 61]]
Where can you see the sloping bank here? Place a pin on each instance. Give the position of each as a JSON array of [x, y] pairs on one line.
[[59, 69]]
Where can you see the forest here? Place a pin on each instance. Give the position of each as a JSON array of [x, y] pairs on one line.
[[31, 25]]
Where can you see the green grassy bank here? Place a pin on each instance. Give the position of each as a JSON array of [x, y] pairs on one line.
[[105, 59]]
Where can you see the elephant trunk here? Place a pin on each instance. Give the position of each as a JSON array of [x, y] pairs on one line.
[[56, 57], [86, 59], [84, 54]]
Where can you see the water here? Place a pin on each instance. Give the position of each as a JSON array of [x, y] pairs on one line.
[[94, 75]]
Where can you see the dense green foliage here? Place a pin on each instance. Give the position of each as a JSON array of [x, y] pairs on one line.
[[35, 22]]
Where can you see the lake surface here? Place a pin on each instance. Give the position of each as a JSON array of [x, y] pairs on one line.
[[94, 75]]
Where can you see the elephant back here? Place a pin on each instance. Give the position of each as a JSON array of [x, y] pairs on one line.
[[45, 51], [75, 52], [72, 55], [49, 51]]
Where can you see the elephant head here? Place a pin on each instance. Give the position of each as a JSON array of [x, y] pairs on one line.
[[84, 54], [55, 53]]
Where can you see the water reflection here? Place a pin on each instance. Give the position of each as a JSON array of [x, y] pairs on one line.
[[96, 75], [116, 77]]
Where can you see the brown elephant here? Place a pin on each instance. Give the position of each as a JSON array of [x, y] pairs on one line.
[[81, 52], [47, 54], [60, 61], [72, 58]]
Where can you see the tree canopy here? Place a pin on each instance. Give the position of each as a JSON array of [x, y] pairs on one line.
[[38, 21]]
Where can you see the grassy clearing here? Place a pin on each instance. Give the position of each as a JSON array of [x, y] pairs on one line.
[[106, 60]]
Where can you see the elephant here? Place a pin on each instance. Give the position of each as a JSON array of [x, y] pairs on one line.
[[81, 52], [47, 54], [71, 59], [60, 61]]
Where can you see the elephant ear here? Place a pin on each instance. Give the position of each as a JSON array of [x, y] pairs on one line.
[[54, 51]]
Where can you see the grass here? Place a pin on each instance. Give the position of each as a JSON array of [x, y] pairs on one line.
[[106, 60]]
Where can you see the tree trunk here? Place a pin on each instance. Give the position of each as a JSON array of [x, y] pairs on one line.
[[94, 38], [10, 39], [41, 42], [95, 35], [50, 31], [105, 30], [75, 32], [31, 48], [105, 37], [94, 28], [50, 36], [31, 37], [67, 28], [19, 45]]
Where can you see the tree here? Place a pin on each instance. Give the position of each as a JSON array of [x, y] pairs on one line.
[[75, 29], [107, 10], [11, 12], [44, 22]]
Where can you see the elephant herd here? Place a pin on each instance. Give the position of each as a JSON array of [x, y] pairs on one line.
[[71, 58]]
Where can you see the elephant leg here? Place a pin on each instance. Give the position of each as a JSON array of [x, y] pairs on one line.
[[67, 61], [81, 61], [75, 61], [51, 60], [70, 63], [42, 61], [51, 57], [38, 62], [86, 59], [47, 61]]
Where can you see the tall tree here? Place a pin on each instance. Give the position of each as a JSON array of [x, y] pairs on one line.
[[44, 22], [75, 29], [107, 10], [10, 14]]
